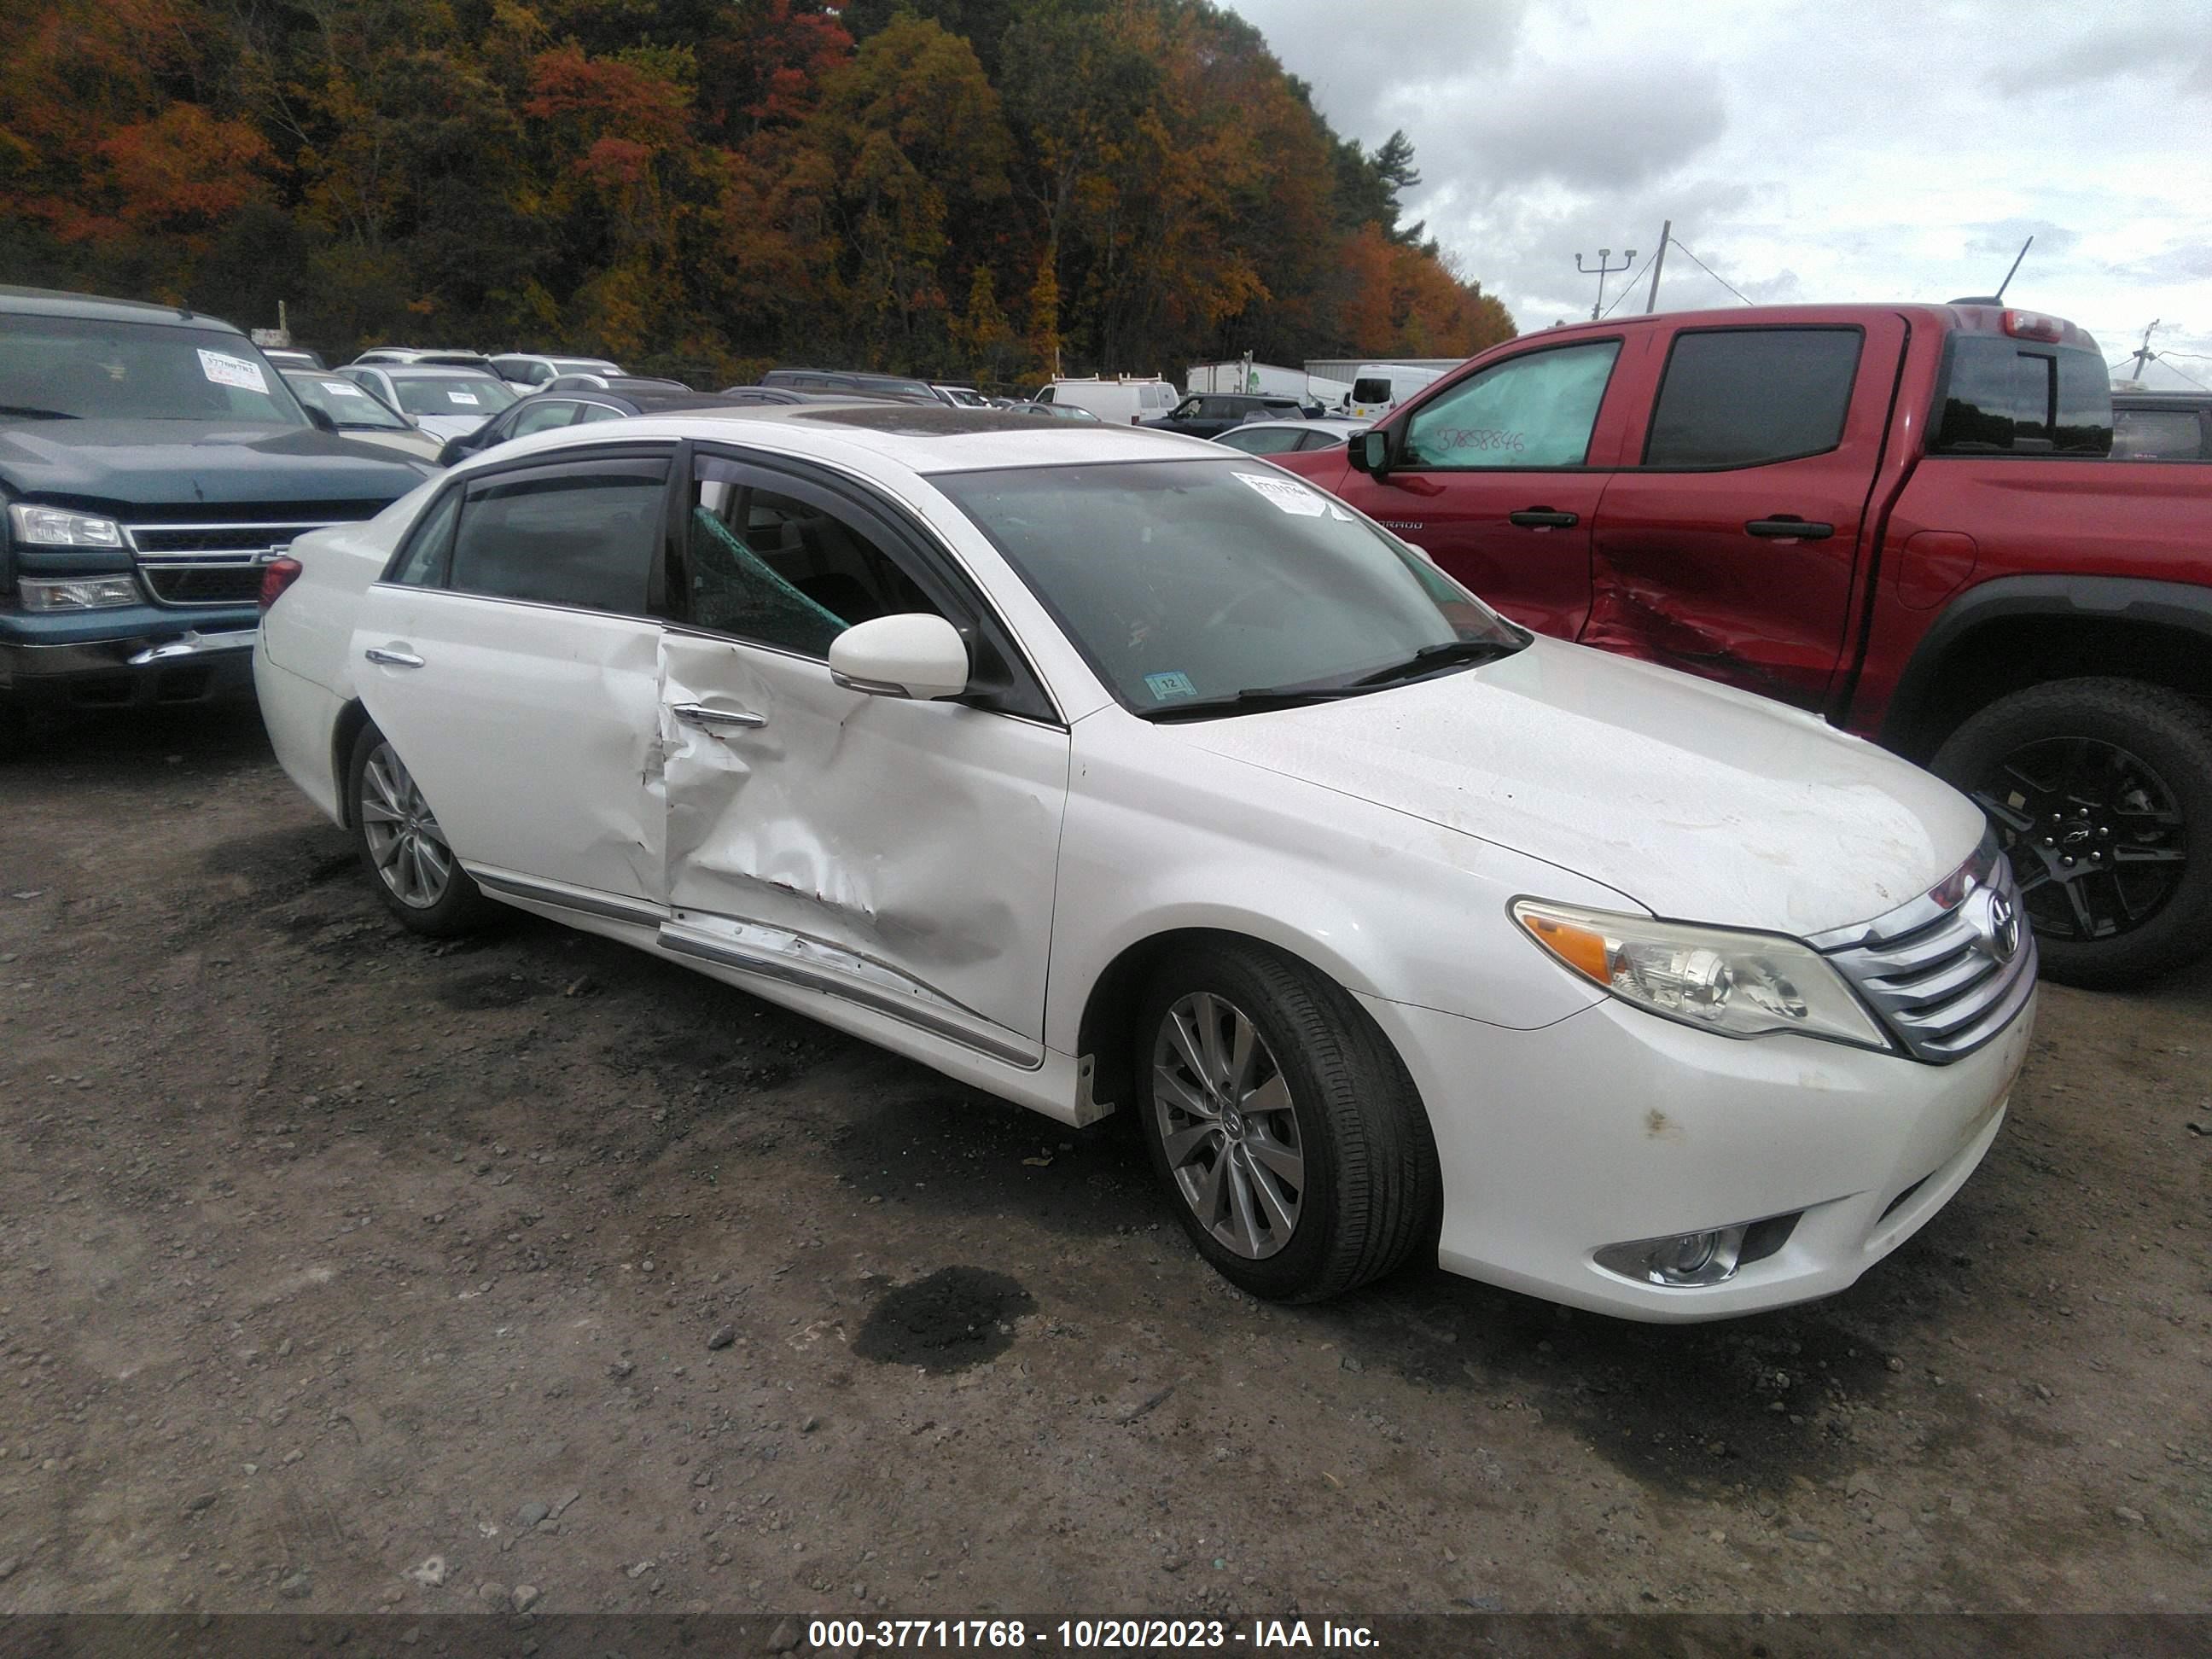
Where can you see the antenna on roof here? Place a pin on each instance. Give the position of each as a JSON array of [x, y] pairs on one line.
[[2016, 258], [1997, 298]]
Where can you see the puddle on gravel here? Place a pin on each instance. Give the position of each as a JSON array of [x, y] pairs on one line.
[[955, 1318]]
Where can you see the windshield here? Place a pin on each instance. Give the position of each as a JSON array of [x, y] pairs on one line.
[[1191, 581], [88, 369], [345, 401], [478, 395]]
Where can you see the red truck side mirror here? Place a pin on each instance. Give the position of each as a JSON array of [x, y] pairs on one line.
[[1371, 451]]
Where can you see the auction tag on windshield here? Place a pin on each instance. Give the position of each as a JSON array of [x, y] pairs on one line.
[[468, 398], [1163, 686], [342, 388], [1292, 498], [233, 370]]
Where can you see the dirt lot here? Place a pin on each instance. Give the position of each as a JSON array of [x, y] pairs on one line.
[[340, 1270]]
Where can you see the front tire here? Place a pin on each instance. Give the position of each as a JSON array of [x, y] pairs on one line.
[[1292, 1143], [402, 846], [2100, 790]]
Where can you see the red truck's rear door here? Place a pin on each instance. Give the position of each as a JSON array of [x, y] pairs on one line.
[[1696, 558]]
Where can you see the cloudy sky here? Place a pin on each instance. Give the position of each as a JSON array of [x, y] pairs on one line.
[[1845, 150]]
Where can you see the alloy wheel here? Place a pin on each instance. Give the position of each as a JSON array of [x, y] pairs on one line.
[[1223, 1108], [2096, 839], [404, 841]]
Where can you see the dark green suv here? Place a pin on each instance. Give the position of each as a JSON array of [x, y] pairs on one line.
[[152, 464]]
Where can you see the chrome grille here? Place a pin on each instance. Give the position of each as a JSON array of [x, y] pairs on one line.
[[1935, 970], [187, 564]]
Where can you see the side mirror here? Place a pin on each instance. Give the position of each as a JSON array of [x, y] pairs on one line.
[[1370, 452], [320, 419], [909, 655]]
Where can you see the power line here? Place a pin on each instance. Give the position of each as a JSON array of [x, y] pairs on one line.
[[1715, 275], [2198, 356], [2192, 379]]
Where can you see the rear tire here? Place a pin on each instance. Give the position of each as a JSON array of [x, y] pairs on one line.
[[2101, 791], [1293, 1145], [415, 873]]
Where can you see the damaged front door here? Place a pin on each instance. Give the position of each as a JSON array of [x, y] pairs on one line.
[[894, 854]]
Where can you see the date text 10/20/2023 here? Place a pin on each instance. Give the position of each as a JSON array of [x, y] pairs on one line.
[[1087, 1635]]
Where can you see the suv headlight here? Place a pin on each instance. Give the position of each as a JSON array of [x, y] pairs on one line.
[[56, 527], [78, 592], [1740, 985]]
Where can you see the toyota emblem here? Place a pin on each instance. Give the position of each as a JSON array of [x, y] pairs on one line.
[[1996, 926]]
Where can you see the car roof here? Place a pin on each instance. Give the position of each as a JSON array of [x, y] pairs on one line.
[[430, 371], [1963, 317], [1319, 423], [2163, 398], [58, 303], [914, 437]]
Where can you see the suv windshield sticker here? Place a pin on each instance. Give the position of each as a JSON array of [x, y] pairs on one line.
[[1294, 499], [460, 396], [342, 388], [233, 370], [1163, 686]]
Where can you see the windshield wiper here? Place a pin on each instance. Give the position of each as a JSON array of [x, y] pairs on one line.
[[1440, 655], [1250, 701], [37, 414]]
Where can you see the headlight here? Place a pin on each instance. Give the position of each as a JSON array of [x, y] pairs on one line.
[[55, 527], [1740, 985], [78, 594]]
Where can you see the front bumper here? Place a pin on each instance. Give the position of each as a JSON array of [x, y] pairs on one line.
[[172, 665], [1614, 1125]]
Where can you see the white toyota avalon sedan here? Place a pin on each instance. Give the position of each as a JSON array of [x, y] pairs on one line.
[[1108, 772]]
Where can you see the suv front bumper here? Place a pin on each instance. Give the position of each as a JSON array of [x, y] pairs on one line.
[[170, 665]]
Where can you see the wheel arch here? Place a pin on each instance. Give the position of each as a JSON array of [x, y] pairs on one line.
[[1110, 1007], [345, 731], [2017, 631]]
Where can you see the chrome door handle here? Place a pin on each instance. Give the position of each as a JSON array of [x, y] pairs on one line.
[[391, 657], [692, 714]]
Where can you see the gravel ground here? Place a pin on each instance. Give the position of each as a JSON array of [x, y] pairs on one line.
[[340, 1271]]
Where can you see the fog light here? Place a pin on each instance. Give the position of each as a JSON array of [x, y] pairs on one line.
[[1687, 1259]]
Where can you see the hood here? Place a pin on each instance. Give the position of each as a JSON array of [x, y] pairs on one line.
[[450, 426], [419, 443], [119, 465], [1703, 804]]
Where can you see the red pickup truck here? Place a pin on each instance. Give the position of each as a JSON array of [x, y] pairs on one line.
[[1904, 518]]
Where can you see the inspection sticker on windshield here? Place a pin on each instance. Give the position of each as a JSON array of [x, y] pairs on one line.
[[1292, 498], [232, 371], [342, 388], [1163, 686], [468, 398]]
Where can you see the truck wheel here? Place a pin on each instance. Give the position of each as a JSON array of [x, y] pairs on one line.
[[1292, 1144], [416, 874], [2100, 790]]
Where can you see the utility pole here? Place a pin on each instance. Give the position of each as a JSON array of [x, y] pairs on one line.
[[1602, 270], [2143, 352], [1658, 264]]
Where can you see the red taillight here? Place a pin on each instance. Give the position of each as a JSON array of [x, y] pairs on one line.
[[2032, 325], [277, 575]]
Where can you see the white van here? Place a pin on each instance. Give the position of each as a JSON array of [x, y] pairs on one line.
[[1123, 401], [1381, 387]]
